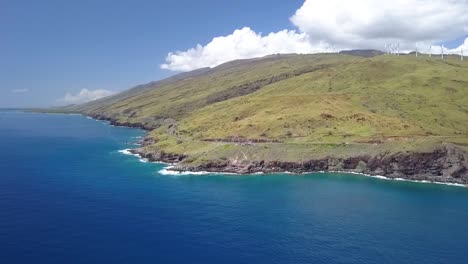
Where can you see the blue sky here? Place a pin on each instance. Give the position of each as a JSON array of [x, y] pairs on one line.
[[49, 48]]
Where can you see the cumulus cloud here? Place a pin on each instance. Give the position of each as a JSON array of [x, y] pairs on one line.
[[20, 90], [372, 23], [337, 24], [241, 44], [84, 96]]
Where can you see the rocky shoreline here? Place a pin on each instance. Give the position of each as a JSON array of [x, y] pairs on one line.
[[115, 122], [447, 164]]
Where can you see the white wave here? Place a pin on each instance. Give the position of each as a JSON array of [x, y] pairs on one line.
[[399, 179], [168, 171], [140, 159], [127, 152], [440, 183]]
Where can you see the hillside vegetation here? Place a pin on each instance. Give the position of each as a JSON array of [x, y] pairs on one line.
[[299, 107]]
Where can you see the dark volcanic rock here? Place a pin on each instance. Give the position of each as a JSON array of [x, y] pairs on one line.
[[159, 156], [115, 122], [447, 164], [147, 141]]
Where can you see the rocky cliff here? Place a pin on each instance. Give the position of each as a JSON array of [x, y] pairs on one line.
[[447, 164]]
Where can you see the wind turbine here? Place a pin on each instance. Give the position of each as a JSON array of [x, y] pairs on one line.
[[442, 51], [416, 50], [461, 57]]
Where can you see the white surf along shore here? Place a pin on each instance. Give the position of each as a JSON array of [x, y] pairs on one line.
[[167, 171], [127, 152]]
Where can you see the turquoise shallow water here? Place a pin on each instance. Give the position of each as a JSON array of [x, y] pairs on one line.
[[68, 196]]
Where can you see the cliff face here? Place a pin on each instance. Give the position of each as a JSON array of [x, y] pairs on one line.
[[448, 164], [159, 156]]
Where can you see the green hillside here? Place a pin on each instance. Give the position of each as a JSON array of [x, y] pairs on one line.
[[300, 107]]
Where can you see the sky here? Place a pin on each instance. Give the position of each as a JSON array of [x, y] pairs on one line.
[[58, 52]]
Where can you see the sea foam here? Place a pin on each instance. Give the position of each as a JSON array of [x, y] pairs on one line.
[[398, 179], [140, 159], [168, 171], [127, 152]]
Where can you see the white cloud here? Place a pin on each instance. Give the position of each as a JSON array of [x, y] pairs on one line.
[[357, 24], [372, 23], [241, 44], [20, 90], [463, 47], [84, 96], [437, 49]]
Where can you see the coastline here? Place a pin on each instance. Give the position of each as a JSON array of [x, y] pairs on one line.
[[169, 170], [174, 166], [446, 164]]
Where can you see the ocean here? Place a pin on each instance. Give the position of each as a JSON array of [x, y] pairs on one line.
[[68, 194]]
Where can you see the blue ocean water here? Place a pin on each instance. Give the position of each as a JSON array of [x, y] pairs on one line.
[[68, 196]]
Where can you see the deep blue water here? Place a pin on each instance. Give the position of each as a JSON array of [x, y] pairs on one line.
[[68, 196]]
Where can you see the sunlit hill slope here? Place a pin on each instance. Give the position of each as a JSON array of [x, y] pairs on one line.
[[296, 108]]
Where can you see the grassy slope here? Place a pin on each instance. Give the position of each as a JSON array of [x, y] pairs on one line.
[[317, 105]]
